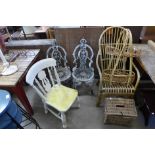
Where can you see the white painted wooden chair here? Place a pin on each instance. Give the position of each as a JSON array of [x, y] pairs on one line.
[[56, 98]]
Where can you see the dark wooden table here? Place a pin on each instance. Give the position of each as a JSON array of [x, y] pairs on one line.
[[146, 61], [15, 82]]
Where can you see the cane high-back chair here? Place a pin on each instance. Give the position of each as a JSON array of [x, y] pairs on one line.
[[59, 54], [56, 98], [118, 74], [83, 72]]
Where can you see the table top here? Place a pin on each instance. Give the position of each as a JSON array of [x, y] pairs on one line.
[[146, 59], [28, 43], [23, 61]]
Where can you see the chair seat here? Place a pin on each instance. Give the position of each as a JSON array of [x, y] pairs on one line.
[[64, 73], [83, 74], [117, 88], [61, 97]]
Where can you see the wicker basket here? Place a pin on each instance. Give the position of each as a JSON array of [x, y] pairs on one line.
[[120, 76], [119, 111]]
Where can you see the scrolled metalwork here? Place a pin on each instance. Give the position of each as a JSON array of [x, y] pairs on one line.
[[83, 72]]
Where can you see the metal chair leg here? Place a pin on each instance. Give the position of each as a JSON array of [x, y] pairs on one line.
[[18, 125], [28, 118]]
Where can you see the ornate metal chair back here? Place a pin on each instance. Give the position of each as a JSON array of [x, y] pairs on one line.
[[59, 54], [83, 55]]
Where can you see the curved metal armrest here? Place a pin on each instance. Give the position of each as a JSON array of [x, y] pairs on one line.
[[98, 68], [138, 75]]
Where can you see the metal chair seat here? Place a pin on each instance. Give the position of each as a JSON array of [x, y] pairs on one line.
[[64, 73], [83, 75]]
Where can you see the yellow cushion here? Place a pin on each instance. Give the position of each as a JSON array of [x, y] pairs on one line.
[[61, 97]]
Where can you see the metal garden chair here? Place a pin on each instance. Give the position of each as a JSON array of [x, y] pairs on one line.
[[83, 72], [59, 54]]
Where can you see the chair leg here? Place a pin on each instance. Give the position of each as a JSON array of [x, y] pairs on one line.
[[45, 108], [91, 88], [92, 92], [99, 100], [78, 103], [71, 82], [74, 86], [63, 118]]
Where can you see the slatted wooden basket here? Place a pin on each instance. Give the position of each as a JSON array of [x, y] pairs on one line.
[[119, 111]]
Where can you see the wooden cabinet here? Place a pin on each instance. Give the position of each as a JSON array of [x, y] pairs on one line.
[[5, 33], [70, 37], [148, 33]]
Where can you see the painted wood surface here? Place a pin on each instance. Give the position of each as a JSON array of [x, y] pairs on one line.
[[23, 61]]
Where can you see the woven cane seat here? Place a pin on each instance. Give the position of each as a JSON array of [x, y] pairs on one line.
[[117, 88]]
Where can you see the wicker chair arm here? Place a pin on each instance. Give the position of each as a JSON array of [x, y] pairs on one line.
[[98, 68], [138, 75]]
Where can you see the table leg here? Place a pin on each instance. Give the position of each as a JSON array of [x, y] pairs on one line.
[[20, 93]]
